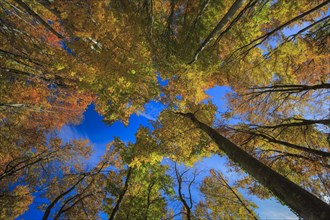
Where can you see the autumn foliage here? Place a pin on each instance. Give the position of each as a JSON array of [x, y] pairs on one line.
[[58, 57]]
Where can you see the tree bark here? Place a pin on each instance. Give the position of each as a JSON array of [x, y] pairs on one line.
[[298, 199]]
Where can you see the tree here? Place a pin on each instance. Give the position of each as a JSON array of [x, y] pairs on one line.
[[15, 202], [223, 200], [78, 192], [83, 64], [300, 200], [31, 172], [135, 187], [182, 141], [59, 56], [186, 200]]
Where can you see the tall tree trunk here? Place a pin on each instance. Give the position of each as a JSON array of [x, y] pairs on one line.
[[225, 19], [297, 123], [290, 89], [256, 42], [121, 196], [39, 19], [298, 199]]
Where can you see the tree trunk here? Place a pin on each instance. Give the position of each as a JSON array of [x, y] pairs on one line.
[[121, 196], [297, 123], [223, 180], [231, 12], [181, 196], [298, 199], [39, 19], [49, 208]]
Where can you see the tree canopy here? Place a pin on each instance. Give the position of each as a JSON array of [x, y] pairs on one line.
[[59, 57]]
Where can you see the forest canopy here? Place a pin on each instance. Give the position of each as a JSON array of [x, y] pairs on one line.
[[269, 57]]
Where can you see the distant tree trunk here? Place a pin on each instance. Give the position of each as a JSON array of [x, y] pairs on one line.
[[223, 180], [38, 18], [149, 199], [231, 12], [298, 199], [288, 88], [49, 208], [63, 209], [121, 195], [187, 207], [26, 162]]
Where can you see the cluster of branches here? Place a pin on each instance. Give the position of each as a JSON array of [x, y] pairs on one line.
[[80, 190]]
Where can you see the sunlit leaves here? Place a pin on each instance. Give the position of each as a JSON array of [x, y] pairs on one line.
[[181, 140], [222, 200], [59, 56], [15, 202]]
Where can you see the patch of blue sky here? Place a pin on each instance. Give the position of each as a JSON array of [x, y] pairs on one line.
[[161, 81], [271, 209], [34, 212], [66, 48], [217, 95]]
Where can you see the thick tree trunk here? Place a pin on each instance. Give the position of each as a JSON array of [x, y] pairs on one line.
[[299, 200]]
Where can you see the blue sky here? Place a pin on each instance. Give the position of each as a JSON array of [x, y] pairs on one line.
[[99, 134]]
